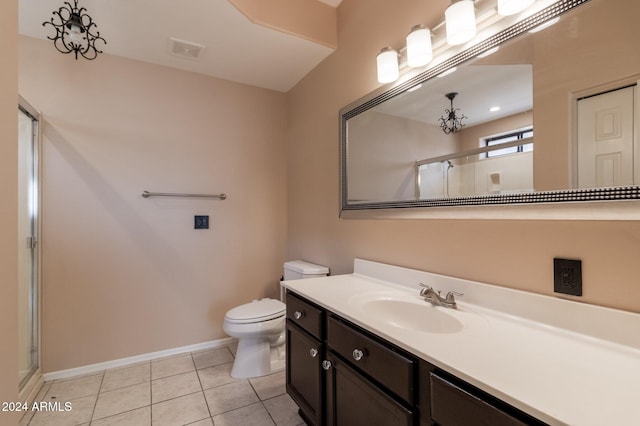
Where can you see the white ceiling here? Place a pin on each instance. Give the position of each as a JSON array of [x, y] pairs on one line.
[[479, 88], [235, 48]]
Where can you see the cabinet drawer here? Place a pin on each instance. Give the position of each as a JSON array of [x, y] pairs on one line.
[[305, 314], [453, 405], [385, 365], [354, 401]]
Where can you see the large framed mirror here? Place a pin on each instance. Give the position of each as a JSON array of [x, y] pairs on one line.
[[550, 116]]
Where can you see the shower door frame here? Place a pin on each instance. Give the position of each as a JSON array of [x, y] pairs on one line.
[[30, 385]]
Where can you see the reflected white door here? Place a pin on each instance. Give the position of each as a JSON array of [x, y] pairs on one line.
[[606, 127]]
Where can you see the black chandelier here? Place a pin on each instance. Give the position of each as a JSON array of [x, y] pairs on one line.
[[451, 122], [75, 32]]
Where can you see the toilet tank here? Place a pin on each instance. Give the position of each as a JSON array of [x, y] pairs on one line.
[[298, 269]]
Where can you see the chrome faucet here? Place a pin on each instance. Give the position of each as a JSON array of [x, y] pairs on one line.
[[433, 296]]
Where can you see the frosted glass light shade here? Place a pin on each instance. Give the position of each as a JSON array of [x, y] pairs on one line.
[[419, 50], [75, 34], [460, 20], [511, 7], [388, 70]]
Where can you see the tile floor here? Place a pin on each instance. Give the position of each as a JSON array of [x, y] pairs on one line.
[[191, 389]]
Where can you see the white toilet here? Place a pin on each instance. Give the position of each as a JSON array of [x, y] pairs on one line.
[[259, 327]]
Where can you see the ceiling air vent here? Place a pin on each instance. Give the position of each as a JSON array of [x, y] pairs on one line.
[[185, 49]]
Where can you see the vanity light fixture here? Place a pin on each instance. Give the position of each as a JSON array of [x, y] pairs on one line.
[[419, 50], [511, 7], [388, 69], [451, 122], [75, 31], [460, 22]]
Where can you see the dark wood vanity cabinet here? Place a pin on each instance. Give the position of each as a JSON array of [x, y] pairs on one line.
[[305, 354], [352, 399], [453, 402], [305, 381], [340, 374]]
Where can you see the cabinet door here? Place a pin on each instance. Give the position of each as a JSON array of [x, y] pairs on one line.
[[354, 401], [304, 373]]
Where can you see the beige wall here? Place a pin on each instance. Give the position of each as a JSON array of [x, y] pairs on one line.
[[383, 150], [8, 207], [516, 254], [606, 62], [124, 275]]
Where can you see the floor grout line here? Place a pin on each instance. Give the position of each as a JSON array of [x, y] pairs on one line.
[[95, 404], [106, 379]]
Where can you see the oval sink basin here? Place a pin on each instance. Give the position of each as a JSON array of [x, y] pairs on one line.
[[413, 316]]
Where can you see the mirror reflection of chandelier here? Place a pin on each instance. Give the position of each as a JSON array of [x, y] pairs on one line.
[[451, 121]]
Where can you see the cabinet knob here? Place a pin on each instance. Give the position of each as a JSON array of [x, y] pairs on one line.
[[326, 364], [298, 314], [357, 354], [313, 352]]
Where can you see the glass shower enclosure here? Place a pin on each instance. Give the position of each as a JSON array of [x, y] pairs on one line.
[[27, 244]]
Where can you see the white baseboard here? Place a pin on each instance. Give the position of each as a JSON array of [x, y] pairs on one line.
[[123, 362]]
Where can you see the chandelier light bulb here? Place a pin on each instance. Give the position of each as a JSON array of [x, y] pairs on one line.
[[75, 31], [419, 49], [511, 7], [75, 34], [460, 20], [388, 69]]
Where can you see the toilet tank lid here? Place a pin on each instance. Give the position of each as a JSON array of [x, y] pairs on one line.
[[262, 309], [304, 268]]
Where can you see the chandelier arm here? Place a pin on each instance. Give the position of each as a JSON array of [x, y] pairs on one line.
[[68, 39]]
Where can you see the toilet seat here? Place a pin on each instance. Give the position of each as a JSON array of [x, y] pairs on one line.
[[256, 311]]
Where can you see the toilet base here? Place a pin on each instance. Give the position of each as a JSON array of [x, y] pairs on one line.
[[258, 357]]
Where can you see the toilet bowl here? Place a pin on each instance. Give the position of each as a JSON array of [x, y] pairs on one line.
[[259, 328]]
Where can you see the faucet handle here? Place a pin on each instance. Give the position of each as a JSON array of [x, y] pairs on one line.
[[450, 296], [425, 289]]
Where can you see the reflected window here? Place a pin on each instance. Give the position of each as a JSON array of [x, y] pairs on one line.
[[526, 133]]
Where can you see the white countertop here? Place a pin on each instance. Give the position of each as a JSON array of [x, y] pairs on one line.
[[561, 361]]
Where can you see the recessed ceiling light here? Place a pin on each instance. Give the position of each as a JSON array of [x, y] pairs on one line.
[[494, 109], [447, 72], [545, 25], [489, 52]]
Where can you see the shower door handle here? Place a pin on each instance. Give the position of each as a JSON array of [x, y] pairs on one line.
[[32, 242]]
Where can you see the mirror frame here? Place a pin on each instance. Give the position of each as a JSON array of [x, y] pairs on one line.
[[540, 202]]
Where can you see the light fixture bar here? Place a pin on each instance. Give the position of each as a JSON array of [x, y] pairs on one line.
[[511, 7]]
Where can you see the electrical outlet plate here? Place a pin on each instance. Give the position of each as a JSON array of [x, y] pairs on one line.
[[201, 222], [567, 276]]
